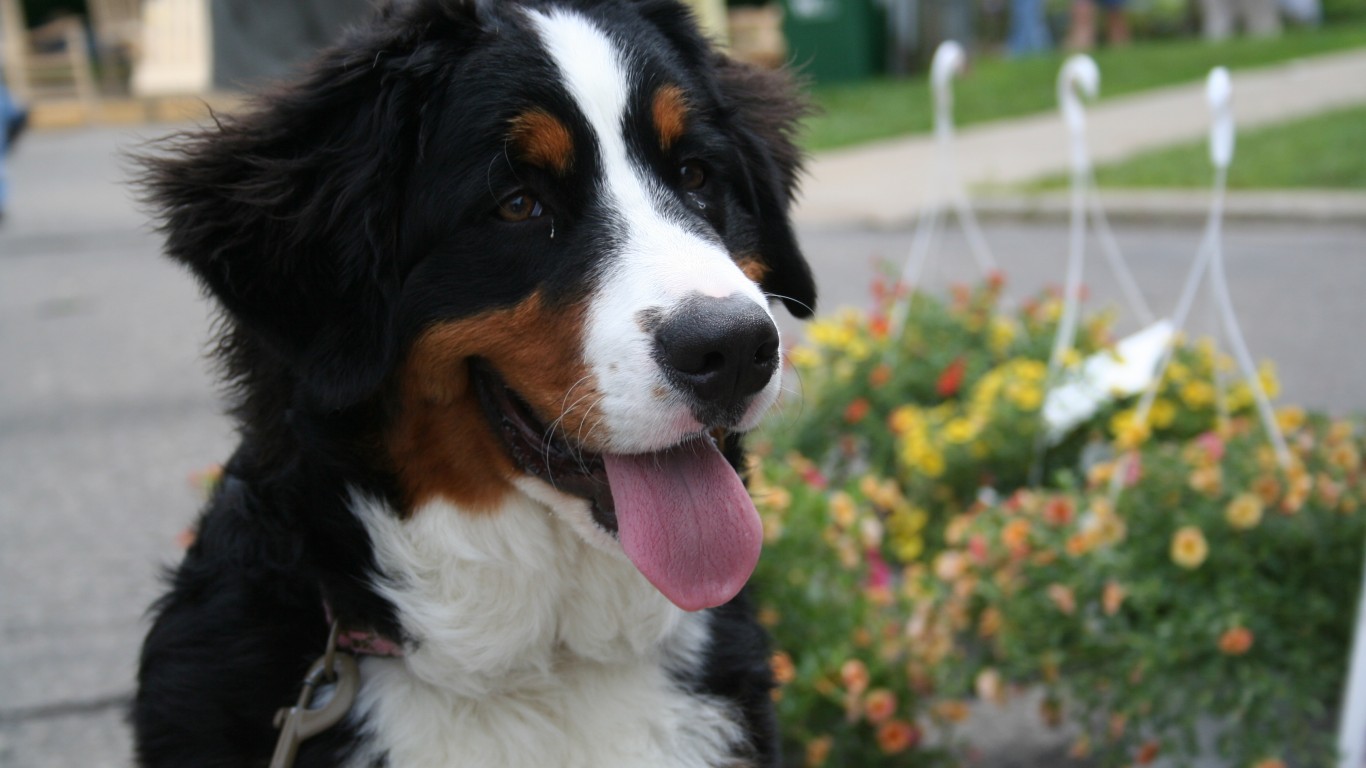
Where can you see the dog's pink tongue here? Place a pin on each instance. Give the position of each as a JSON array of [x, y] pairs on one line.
[[686, 522]]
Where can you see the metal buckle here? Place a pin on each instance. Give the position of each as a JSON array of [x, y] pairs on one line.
[[302, 721]]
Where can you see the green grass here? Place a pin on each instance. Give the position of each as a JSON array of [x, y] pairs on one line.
[[1323, 152], [997, 88]]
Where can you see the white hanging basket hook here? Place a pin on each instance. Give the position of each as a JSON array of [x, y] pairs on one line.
[[949, 60], [1079, 77], [1219, 94]]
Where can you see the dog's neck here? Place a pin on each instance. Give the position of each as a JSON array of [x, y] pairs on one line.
[[503, 600]]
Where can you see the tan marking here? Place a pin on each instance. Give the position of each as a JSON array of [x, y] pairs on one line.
[[753, 267], [441, 443], [543, 140], [670, 114]]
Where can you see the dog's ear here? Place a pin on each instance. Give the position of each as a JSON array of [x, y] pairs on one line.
[[288, 214], [765, 111]]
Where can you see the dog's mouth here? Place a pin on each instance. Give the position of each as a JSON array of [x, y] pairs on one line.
[[682, 515]]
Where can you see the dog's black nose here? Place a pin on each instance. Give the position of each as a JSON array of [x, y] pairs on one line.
[[719, 350]]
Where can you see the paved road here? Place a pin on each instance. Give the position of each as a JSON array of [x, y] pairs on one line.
[[106, 406]]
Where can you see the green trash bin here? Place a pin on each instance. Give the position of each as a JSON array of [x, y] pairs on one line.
[[836, 40]]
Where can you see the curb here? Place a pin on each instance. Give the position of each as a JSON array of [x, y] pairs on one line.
[[1139, 207], [1187, 206], [65, 114]]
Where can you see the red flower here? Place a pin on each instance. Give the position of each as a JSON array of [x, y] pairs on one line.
[[856, 411], [951, 379]]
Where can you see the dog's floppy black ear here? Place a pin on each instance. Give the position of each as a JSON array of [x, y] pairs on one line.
[[288, 214], [766, 109]]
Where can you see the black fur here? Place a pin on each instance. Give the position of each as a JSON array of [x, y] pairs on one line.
[[333, 222]]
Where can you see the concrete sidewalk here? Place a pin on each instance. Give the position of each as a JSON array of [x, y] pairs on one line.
[[884, 184]]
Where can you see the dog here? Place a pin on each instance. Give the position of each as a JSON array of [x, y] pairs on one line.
[[497, 283]]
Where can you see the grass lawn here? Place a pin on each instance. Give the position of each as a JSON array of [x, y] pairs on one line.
[[997, 88], [1323, 152]]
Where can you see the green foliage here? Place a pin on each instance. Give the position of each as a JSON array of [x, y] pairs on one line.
[[1322, 152]]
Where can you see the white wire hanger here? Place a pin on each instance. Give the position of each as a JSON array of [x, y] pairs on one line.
[[1209, 264], [949, 60]]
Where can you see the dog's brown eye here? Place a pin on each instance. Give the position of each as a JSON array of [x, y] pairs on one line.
[[520, 207], [691, 176]]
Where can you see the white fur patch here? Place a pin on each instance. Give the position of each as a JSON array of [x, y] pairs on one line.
[[529, 647], [661, 263]]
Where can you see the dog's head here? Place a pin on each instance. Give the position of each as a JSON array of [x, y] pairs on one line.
[[541, 239]]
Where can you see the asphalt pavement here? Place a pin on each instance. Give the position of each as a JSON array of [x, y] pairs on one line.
[[107, 405]]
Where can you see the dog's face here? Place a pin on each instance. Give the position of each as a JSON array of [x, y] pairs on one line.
[[543, 237]]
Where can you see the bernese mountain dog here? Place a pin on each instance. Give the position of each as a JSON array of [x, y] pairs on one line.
[[495, 279]]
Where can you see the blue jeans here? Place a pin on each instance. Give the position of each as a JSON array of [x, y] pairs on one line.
[[9, 111], [1028, 28]]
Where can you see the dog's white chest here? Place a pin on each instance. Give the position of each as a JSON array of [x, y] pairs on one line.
[[589, 717], [530, 647]]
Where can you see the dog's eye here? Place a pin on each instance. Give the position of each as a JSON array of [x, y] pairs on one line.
[[691, 175], [520, 207]]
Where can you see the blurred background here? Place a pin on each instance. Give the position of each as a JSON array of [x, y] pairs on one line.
[[944, 587]]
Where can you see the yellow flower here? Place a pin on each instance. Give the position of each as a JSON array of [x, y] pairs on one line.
[[1163, 413], [1290, 418], [804, 357], [1198, 394], [1000, 333], [1025, 397], [842, 509], [1189, 548], [908, 548], [1128, 431], [959, 431], [1266, 374], [1244, 512], [1178, 372], [904, 419], [830, 333], [1207, 480]]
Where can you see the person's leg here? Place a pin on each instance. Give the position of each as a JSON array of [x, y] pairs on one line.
[[1028, 28], [1261, 18], [1116, 22], [1082, 35], [1218, 19]]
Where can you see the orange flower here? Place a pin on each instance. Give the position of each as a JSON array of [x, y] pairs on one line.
[[1270, 762], [1016, 536], [854, 676], [879, 706], [1112, 598], [818, 751], [880, 375], [1235, 641], [1063, 597], [856, 410], [1058, 511], [990, 623], [783, 669], [878, 327], [952, 711], [1147, 753], [897, 736]]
